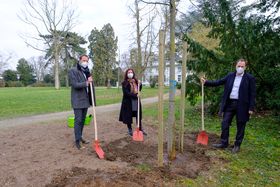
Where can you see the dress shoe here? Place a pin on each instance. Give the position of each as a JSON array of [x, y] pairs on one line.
[[84, 141], [235, 149], [78, 145], [219, 145]]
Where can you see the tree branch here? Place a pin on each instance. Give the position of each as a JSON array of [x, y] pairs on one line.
[[155, 3]]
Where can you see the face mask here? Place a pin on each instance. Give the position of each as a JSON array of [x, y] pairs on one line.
[[84, 64], [130, 75], [239, 70]]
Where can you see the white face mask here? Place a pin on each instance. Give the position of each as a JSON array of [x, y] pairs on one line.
[[239, 70], [130, 75], [84, 64]]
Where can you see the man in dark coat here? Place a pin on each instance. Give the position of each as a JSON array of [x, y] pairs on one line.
[[238, 99], [80, 80]]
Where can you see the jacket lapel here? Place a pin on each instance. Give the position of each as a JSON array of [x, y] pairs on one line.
[[243, 81], [231, 81]]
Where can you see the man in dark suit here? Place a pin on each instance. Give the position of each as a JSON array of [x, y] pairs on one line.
[[80, 80], [238, 99]]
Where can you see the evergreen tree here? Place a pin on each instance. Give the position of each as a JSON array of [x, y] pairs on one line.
[[103, 47]]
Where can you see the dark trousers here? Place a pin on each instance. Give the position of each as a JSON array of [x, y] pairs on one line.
[[229, 113], [134, 114], [80, 116]]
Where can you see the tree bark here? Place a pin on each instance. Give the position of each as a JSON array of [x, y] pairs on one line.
[[172, 86]]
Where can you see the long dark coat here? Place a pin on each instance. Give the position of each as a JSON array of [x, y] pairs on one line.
[[247, 94], [80, 98], [126, 106]]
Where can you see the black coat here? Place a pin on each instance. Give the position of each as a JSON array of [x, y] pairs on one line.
[[126, 106], [247, 94]]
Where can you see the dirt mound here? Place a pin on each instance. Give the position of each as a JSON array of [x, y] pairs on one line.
[[86, 177], [143, 170]]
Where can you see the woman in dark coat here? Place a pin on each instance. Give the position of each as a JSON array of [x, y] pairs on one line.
[[129, 101]]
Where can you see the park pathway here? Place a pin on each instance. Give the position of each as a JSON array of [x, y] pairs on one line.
[[27, 120]]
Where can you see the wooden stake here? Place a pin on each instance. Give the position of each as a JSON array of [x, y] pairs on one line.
[[160, 97]]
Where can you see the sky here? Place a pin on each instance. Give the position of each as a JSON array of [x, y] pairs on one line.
[[91, 14]]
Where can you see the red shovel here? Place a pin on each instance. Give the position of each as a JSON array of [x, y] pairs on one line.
[[137, 134], [202, 137], [95, 144]]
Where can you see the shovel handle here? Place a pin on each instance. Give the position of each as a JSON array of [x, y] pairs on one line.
[[94, 113], [138, 106], [202, 106]]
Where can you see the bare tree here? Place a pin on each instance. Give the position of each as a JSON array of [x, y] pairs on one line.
[[52, 19], [145, 36], [38, 65], [4, 59], [172, 82]]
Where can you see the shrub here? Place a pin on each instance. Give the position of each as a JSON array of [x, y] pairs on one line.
[[14, 84], [42, 84], [153, 81], [178, 85], [2, 83]]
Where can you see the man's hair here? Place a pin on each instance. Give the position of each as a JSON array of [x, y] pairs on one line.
[[241, 60], [83, 56]]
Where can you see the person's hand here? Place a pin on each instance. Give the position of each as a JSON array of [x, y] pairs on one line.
[[138, 94], [202, 80], [89, 79], [251, 112]]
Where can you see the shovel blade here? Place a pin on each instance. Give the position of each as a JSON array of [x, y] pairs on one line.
[[202, 138], [138, 135], [100, 153]]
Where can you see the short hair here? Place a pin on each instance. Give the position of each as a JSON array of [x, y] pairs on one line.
[[241, 60], [83, 56]]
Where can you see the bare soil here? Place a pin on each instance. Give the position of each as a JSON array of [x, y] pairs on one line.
[[43, 154]]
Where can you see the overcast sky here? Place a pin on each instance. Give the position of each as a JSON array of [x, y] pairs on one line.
[[92, 13]]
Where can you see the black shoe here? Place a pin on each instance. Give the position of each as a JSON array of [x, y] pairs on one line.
[[84, 141], [235, 149], [129, 132], [78, 145], [219, 145]]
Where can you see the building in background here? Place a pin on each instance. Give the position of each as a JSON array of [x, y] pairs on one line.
[[151, 73]]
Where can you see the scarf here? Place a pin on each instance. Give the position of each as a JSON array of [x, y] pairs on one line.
[[133, 86], [84, 70]]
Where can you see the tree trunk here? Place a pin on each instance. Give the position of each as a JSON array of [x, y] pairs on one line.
[[66, 81], [139, 47], [56, 71], [56, 63], [172, 86], [108, 83]]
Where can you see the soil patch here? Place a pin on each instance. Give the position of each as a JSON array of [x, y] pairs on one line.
[[142, 169], [43, 154]]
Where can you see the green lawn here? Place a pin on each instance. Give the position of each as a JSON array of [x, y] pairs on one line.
[[24, 101], [258, 163]]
